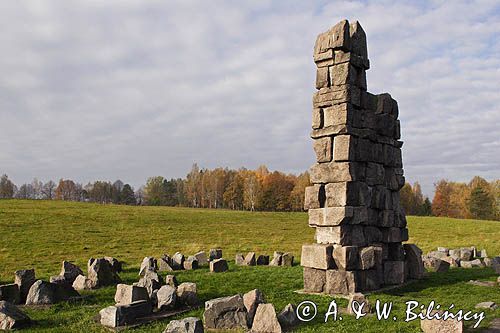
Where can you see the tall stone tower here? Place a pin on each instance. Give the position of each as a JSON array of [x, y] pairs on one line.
[[354, 204]]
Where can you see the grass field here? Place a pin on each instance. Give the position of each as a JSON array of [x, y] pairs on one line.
[[40, 234]]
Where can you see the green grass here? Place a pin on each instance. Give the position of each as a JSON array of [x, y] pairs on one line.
[[40, 234]]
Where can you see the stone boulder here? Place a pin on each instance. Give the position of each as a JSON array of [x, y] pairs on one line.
[[218, 266], [187, 294], [166, 297], [239, 259], [250, 259], [171, 280], [277, 259], [11, 318], [287, 259], [225, 313], [454, 262], [24, 279], [466, 254], [178, 261], [265, 320], [487, 262], [214, 254], [288, 317], [436, 265], [202, 258], [487, 305], [262, 260], [10, 293], [471, 263], [441, 326], [186, 325], [70, 271], [82, 283], [165, 264], [252, 299], [361, 299], [126, 314], [148, 264], [116, 265], [191, 263], [151, 281], [101, 273], [41, 292], [495, 264], [414, 264], [437, 254], [126, 294]]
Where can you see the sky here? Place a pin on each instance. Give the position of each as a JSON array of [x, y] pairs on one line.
[[106, 90]]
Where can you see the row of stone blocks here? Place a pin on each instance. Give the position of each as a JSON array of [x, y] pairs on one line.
[[334, 269]]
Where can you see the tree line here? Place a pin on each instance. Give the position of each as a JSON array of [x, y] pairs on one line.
[[255, 190]]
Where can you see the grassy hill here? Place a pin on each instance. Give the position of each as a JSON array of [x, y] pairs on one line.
[[40, 234]]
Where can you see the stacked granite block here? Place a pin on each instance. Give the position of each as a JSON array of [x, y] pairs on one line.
[[354, 201]]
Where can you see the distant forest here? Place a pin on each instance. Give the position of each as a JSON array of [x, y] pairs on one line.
[[255, 190]]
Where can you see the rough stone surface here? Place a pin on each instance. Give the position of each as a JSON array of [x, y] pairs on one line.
[[360, 299], [24, 279], [394, 272], [314, 280], [121, 315], [239, 259], [288, 317], [82, 283], [10, 293], [171, 280], [186, 325], [151, 281], [441, 326], [340, 282], [101, 273], [317, 256], [495, 264], [166, 297], [250, 259], [126, 294], [225, 313], [202, 258], [148, 264], [70, 271], [277, 259], [265, 320], [436, 265], [116, 265], [187, 294], [262, 260], [287, 259], [178, 261], [486, 305], [191, 263], [218, 266], [414, 264], [164, 264], [252, 299], [11, 317], [215, 254]]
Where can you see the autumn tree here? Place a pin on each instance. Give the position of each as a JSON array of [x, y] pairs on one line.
[[276, 192], [68, 190], [298, 192], [233, 194], [441, 203], [154, 191]]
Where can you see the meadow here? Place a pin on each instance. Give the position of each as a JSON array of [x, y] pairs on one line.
[[40, 234]]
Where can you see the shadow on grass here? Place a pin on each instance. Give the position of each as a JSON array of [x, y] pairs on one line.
[[453, 276]]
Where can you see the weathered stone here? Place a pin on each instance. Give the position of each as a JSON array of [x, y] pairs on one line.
[[347, 194], [265, 320], [323, 149], [452, 261], [10, 293], [317, 118], [486, 305], [414, 264], [225, 313], [11, 318], [151, 281], [218, 265], [322, 78], [262, 260], [314, 280], [171, 280], [371, 279], [375, 174], [288, 317], [252, 299], [441, 326], [483, 253], [312, 197], [482, 283], [41, 292], [164, 264], [101, 273], [202, 258], [82, 283], [366, 258], [341, 115], [178, 261], [190, 263], [341, 282], [471, 263], [342, 235], [126, 294], [394, 272], [250, 259], [465, 254], [454, 253], [239, 259], [70, 271], [58, 279], [444, 250], [166, 297], [148, 264], [333, 172], [126, 314], [24, 279], [437, 254], [277, 259], [215, 254], [116, 265], [392, 235], [186, 325], [396, 252], [345, 257], [358, 40], [338, 37], [436, 265], [317, 256], [495, 264], [187, 294], [331, 216], [358, 301], [287, 259]]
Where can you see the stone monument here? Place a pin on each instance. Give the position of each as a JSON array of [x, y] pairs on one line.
[[354, 202]]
